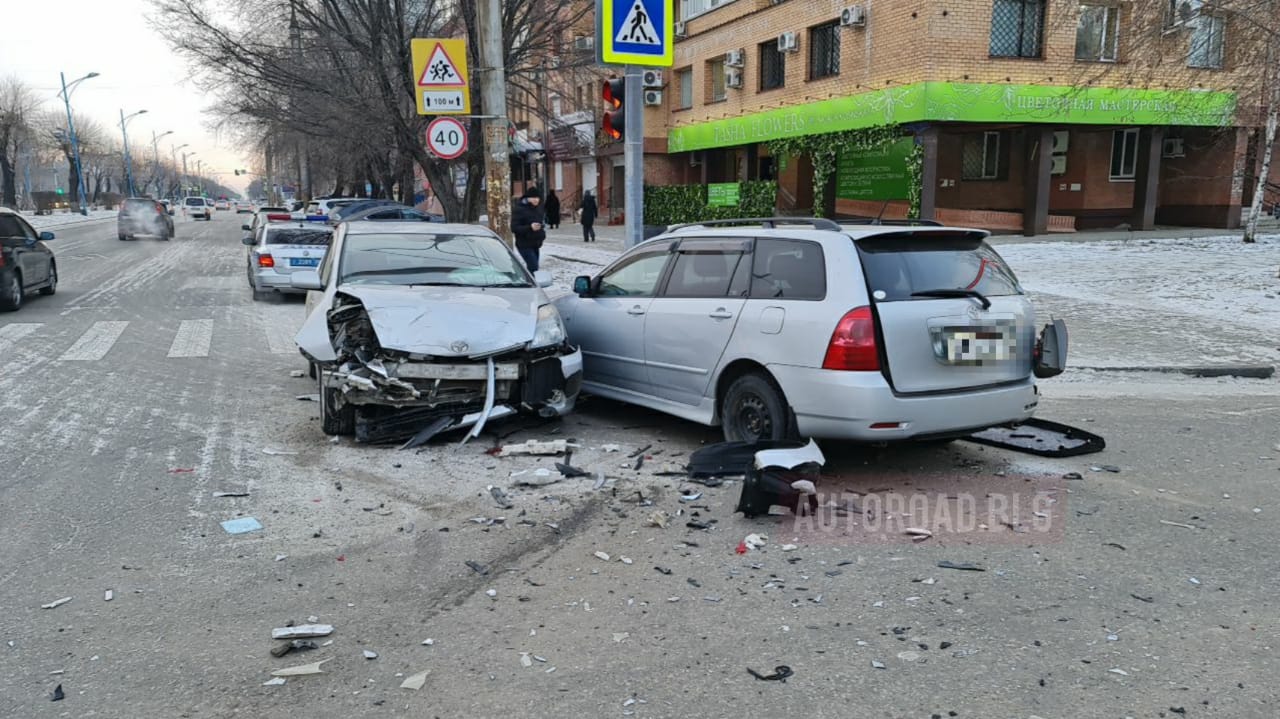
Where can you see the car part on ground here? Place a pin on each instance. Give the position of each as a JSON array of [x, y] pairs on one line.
[[1041, 437], [782, 477]]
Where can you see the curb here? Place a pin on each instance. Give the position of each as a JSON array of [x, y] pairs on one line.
[[1245, 371]]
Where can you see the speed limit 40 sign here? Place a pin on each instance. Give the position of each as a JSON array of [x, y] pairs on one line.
[[446, 138]]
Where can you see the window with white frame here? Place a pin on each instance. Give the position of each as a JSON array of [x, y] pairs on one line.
[[693, 8], [1205, 46], [1124, 154], [684, 81], [980, 157], [1098, 33]]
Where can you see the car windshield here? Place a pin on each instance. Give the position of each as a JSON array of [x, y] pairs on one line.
[[916, 265], [430, 259], [298, 236]]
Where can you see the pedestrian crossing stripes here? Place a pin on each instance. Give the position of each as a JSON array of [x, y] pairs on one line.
[[193, 339], [95, 343]]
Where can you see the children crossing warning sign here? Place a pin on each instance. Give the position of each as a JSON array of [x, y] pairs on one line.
[[440, 76], [636, 32]]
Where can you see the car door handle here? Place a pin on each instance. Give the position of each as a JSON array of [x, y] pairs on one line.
[[637, 310], [721, 314]]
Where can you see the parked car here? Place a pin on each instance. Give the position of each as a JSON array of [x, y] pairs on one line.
[[26, 263], [409, 324], [260, 217], [808, 328], [194, 207], [142, 216], [278, 249], [318, 208], [384, 214]]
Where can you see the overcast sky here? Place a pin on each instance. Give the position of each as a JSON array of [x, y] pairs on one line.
[[137, 71]]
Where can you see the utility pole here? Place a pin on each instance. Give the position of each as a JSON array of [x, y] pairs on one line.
[[173, 152], [493, 101], [75, 143], [155, 159], [633, 158]]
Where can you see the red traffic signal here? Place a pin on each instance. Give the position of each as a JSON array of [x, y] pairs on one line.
[[614, 93]]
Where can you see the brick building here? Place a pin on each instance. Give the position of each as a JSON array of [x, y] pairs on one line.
[[1029, 115]]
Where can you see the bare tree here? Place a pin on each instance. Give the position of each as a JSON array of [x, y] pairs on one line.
[[17, 105]]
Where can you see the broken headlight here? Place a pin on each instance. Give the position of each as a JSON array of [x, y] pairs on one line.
[[550, 329]]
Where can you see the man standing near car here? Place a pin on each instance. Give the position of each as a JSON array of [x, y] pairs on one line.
[[527, 225]]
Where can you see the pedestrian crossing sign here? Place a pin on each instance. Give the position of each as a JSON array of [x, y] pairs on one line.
[[636, 32]]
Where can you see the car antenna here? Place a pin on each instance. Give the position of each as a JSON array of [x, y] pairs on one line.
[[883, 207]]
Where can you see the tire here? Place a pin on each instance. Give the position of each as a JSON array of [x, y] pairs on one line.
[[340, 422], [123, 237], [11, 295], [753, 408], [52, 287], [311, 370]]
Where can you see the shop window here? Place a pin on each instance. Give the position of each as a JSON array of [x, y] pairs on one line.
[[982, 156], [684, 82], [715, 70], [824, 50], [1097, 33], [1205, 49], [1124, 154], [773, 66], [1017, 28]]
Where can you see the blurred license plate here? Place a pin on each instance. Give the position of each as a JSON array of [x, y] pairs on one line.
[[976, 346], [304, 261]]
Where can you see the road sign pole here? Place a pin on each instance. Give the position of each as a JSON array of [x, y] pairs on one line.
[[633, 157], [493, 99]]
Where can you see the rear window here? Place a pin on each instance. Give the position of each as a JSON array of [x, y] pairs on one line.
[[140, 205], [900, 264], [194, 202], [298, 236]]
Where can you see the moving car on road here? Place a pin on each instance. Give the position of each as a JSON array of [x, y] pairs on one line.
[[26, 262], [243, 207], [195, 207], [781, 328], [222, 204], [278, 249], [143, 217], [412, 325]]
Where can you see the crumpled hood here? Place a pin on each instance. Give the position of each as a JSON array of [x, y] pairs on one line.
[[450, 321]]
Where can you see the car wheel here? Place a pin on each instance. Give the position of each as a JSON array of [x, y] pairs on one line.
[[53, 281], [123, 238], [311, 370], [11, 295], [334, 420], [753, 409]]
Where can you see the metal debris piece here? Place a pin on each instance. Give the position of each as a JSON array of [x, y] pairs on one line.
[[302, 631], [300, 670], [1178, 524], [415, 681], [691, 496], [780, 674], [489, 391], [477, 567], [55, 603], [1119, 671], [962, 566]]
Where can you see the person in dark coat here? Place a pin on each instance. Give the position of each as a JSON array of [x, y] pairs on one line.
[[553, 210], [589, 212], [527, 225]]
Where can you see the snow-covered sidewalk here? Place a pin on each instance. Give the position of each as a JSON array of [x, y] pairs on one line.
[[59, 219]]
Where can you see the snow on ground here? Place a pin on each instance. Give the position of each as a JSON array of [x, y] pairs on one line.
[[45, 222]]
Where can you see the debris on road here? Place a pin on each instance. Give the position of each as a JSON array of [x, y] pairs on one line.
[[500, 497], [1041, 437], [108, 595], [415, 681], [181, 470], [370, 655], [278, 452], [726, 459], [55, 603], [690, 495], [525, 661], [540, 478], [428, 642], [962, 566], [297, 645], [492, 594], [426, 434], [610, 447], [281, 557], [602, 555], [659, 519], [780, 674], [57, 695], [302, 632], [1119, 671], [296, 373], [569, 471], [917, 534], [308, 398], [1105, 468], [301, 670], [781, 477], [621, 636], [1073, 475], [756, 541], [1178, 524], [877, 665], [278, 681], [219, 495], [241, 525], [477, 567], [537, 448]]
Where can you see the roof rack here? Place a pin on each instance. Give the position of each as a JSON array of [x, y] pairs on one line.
[[819, 223], [897, 223]]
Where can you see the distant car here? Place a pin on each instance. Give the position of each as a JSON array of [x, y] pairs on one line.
[[142, 216], [243, 207], [317, 208], [388, 214], [279, 248], [195, 207], [168, 207], [262, 213], [222, 205], [26, 263]]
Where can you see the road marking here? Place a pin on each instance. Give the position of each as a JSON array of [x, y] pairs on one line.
[[95, 343], [193, 339], [10, 334], [280, 339]]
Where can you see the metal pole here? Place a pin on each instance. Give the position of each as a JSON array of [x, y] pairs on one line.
[[128, 163], [186, 176], [493, 100], [155, 160], [75, 145], [633, 157], [173, 156]]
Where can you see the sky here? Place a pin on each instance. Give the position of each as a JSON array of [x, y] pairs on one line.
[[136, 68]]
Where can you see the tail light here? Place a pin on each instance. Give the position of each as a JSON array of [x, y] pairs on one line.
[[853, 344], [266, 261]]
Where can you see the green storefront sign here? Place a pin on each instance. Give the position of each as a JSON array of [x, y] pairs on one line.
[[723, 194], [964, 102], [879, 174]]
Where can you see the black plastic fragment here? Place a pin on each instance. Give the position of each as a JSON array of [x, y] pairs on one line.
[[732, 458], [57, 694], [571, 472], [428, 432], [1041, 437], [962, 566], [765, 488], [477, 567], [780, 674]]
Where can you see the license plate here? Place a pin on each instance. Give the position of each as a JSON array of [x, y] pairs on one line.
[[304, 262], [974, 346]]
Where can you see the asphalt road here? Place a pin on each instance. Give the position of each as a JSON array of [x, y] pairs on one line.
[[151, 381]]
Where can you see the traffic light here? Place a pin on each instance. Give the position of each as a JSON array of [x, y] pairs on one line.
[[614, 93], [60, 191]]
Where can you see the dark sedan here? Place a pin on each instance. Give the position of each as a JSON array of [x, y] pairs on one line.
[[143, 216], [26, 263]]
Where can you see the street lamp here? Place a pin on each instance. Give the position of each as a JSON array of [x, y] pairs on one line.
[[75, 143], [186, 173], [155, 156], [128, 162], [173, 154], [200, 175]]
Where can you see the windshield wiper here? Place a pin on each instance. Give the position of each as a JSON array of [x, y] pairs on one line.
[[508, 284], [986, 303]]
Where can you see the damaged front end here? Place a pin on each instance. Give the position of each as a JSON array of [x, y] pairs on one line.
[[397, 393]]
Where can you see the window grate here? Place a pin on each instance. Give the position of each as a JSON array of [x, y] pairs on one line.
[[824, 50], [980, 157], [1017, 28], [773, 66]]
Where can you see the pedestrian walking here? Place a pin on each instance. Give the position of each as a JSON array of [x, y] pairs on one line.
[[527, 225], [589, 212], [553, 210]]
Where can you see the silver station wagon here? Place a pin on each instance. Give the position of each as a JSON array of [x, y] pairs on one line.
[[782, 327]]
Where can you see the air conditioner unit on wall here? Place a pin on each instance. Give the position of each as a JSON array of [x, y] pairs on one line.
[[735, 58], [652, 98], [651, 78], [682, 30], [1061, 139], [1059, 165], [586, 42], [733, 78], [789, 42], [1173, 147], [853, 16]]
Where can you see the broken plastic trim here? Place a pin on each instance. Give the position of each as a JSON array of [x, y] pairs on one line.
[[1041, 437], [488, 404]]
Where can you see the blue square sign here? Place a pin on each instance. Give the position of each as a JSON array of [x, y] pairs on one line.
[[636, 32]]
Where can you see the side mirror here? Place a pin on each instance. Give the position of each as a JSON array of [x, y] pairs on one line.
[[46, 236], [542, 278], [306, 280], [249, 241], [246, 228], [582, 285]]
